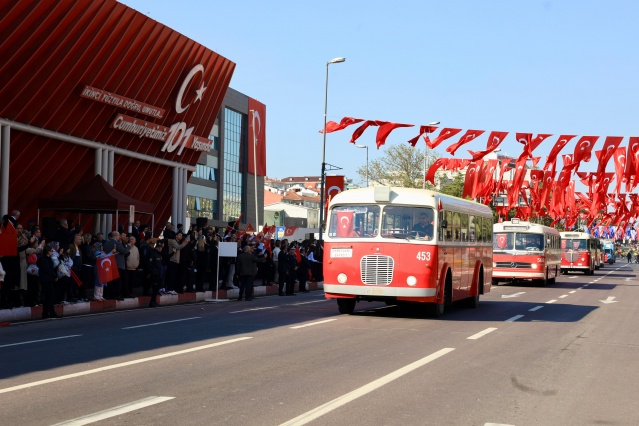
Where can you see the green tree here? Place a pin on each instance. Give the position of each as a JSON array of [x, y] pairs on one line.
[[454, 186], [401, 165]]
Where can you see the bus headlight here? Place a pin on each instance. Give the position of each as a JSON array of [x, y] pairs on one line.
[[494, 264], [411, 281], [534, 266], [341, 278]]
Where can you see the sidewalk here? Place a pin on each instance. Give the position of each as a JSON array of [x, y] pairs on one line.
[[8, 316]]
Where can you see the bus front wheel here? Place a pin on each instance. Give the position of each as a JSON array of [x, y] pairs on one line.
[[435, 309], [346, 306]]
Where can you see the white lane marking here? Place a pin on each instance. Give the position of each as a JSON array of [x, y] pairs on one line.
[[481, 333], [313, 323], [306, 303], [515, 318], [573, 277], [586, 285], [508, 296], [159, 323], [116, 411], [254, 309], [41, 340], [351, 396], [552, 301], [120, 365], [536, 308], [610, 299], [563, 295], [571, 292]]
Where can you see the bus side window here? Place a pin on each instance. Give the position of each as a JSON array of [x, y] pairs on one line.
[[471, 228], [464, 227], [488, 230], [456, 227], [449, 229]]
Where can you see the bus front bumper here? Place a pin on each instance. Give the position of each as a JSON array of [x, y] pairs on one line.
[[517, 274], [379, 291]]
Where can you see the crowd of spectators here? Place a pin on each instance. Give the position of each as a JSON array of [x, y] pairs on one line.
[[61, 268]]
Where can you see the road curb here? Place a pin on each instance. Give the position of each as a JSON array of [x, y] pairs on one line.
[[8, 316]]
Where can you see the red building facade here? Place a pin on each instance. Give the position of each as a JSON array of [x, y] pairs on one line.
[[98, 88]]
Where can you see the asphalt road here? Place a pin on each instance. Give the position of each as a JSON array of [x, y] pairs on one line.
[[561, 355]]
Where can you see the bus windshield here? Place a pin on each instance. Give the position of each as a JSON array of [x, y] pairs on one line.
[[354, 221], [518, 241], [574, 244]]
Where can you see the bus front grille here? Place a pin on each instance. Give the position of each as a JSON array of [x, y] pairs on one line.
[[571, 256], [513, 265], [377, 269]]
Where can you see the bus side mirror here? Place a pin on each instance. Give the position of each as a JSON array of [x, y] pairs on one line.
[[444, 224]]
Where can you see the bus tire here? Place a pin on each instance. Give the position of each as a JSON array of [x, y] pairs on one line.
[[437, 309], [473, 301], [346, 306], [544, 281]]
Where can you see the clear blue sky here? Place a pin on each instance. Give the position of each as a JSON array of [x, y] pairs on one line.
[[560, 67]]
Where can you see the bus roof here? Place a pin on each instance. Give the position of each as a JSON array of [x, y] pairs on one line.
[[574, 234], [408, 197], [522, 226]]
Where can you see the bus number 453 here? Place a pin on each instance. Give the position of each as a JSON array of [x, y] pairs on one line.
[[423, 255]]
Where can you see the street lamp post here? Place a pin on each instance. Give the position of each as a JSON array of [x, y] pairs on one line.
[[365, 146], [433, 123], [323, 177]]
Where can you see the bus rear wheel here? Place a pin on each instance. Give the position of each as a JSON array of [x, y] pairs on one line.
[[346, 306]]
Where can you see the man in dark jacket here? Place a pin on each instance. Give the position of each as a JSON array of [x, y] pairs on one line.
[[154, 267], [246, 268], [282, 264], [291, 263]]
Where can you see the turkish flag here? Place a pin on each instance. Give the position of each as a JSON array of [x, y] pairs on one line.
[[443, 135], [620, 167], [470, 181], [345, 223], [385, 129], [358, 132], [608, 150], [502, 240], [332, 126], [289, 231], [430, 175], [584, 148], [249, 228], [494, 140], [8, 238], [107, 269], [469, 136], [423, 130], [632, 163], [556, 149]]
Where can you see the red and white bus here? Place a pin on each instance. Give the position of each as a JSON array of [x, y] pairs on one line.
[[525, 251], [578, 252], [376, 248]]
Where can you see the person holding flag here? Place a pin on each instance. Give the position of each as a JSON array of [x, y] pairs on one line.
[[48, 277]]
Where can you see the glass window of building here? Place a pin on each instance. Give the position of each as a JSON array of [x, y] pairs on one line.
[[234, 134], [201, 207]]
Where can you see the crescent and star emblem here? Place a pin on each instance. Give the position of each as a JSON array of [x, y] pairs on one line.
[[105, 260], [199, 92], [584, 145], [345, 221]]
